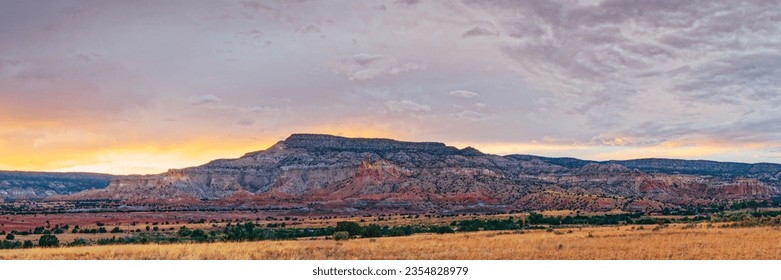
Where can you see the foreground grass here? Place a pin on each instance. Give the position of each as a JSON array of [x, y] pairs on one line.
[[673, 242]]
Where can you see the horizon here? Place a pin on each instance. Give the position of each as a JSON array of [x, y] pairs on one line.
[[380, 138], [119, 88]]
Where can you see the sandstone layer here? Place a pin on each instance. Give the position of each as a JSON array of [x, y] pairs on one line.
[[324, 172]]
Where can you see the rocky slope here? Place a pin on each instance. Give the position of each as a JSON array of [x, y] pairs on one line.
[[323, 172], [38, 185]]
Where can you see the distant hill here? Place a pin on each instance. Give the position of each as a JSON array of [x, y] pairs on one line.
[[331, 173], [39, 185], [768, 172]]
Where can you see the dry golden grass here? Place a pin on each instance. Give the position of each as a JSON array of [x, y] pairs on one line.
[[672, 242]]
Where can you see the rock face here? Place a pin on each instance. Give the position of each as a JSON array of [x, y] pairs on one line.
[[326, 172], [38, 185]]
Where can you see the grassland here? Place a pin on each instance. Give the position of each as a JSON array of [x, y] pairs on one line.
[[676, 241]]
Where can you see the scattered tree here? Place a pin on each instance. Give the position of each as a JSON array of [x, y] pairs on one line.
[[351, 228], [48, 240], [372, 230], [184, 231], [199, 235]]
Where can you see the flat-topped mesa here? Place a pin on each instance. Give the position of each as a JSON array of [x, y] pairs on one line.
[[324, 143]]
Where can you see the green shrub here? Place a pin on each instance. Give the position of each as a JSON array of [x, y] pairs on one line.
[[341, 235], [48, 240], [441, 229], [184, 231], [352, 228], [372, 230], [199, 235], [79, 242]]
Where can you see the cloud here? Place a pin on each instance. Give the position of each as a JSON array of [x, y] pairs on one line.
[[607, 73], [472, 115], [734, 79], [87, 57], [309, 29], [205, 100], [254, 5], [463, 93], [407, 105], [478, 31], [363, 66], [643, 64], [246, 122], [408, 2]]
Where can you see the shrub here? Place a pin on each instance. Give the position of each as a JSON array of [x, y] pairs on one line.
[[6, 244], [341, 235], [184, 231], [48, 240], [199, 235], [78, 242], [535, 218], [372, 230], [10, 236], [442, 229], [352, 228]]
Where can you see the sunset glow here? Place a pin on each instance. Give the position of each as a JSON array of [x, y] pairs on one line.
[[127, 88]]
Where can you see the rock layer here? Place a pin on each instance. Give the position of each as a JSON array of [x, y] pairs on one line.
[[329, 172], [15, 185]]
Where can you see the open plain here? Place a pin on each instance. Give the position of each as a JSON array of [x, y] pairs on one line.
[[675, 241]]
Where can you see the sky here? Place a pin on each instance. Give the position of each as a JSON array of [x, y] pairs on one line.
[[136, 87]]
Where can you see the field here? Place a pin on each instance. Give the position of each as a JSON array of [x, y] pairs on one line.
[[674, 241]]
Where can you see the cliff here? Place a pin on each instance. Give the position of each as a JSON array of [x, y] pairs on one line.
[[16, 185], [328, 172]]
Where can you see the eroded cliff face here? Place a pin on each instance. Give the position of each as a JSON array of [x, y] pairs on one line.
[[329, 172], [16, 185]]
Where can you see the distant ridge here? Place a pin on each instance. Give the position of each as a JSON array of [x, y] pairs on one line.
[[326, 173], [315, 172], [39, 185], [663, 165]]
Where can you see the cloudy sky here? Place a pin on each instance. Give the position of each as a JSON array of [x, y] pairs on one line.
[[121, 87]]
